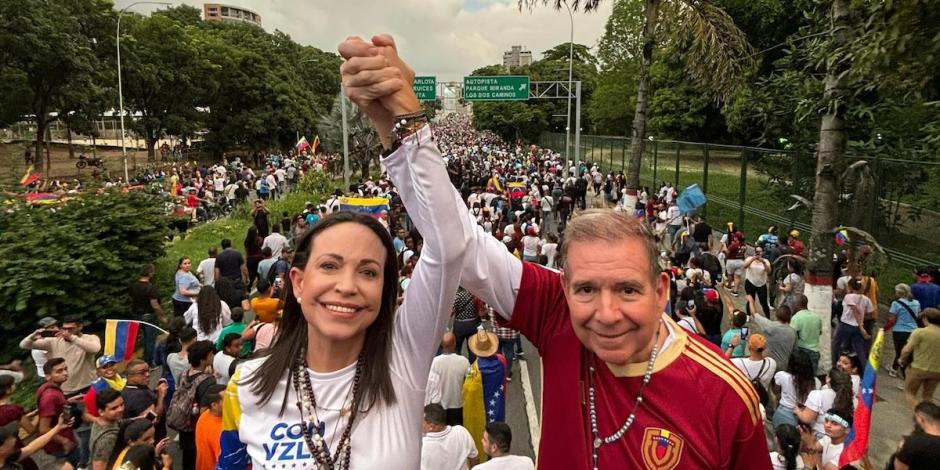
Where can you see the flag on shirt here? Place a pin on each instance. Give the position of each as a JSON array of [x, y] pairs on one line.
[[315, 145], [856, 444], [368, 205], [120, 337], [484, 396], [302, 144]]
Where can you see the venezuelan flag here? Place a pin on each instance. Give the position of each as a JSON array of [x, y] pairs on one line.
[[369, 205], [484, 396], [29, 177], [120, 337], [856, 444], [315, 145], [233, 453], [42, 198]]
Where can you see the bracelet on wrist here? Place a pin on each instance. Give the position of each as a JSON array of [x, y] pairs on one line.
[[406, 125]]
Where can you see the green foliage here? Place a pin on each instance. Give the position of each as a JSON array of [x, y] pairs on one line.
[[317, 182], [363, 140], [75, 260]]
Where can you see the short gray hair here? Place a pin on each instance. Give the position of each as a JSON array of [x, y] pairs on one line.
[[903, 289], [612, 226]]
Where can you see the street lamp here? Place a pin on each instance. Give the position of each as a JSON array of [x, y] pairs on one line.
[[120, 88], [570, 57], [342, 105]]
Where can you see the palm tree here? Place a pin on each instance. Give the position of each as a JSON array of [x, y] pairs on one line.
[[719, 50], [364, 143]]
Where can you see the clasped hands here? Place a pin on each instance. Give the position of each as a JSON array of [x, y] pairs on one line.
[[378, 81]]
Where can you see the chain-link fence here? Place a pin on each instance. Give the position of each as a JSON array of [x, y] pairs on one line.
[[892, 199]]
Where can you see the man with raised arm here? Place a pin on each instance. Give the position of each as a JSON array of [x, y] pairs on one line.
[[626, 386]]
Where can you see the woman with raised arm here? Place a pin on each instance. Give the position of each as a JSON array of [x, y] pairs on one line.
[[343, 384]]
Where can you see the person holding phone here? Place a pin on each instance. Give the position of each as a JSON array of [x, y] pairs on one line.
[[732, 343]]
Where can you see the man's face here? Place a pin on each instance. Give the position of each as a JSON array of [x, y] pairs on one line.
[[487, 444], [235, 348], [834, 430], [615, 305], [72, 327], [113, 411], [139, 375], [59, 374]]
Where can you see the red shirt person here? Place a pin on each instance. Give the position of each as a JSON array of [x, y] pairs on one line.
[[628, 388]]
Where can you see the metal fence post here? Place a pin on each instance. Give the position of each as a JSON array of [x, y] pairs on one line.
[[655, 162], [705, 181], [678, 150], [742, 190], [623, 153]]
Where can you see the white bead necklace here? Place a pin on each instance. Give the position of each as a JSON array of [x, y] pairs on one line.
[[598, 440]]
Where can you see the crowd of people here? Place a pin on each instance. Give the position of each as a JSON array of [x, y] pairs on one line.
[[335, 339]]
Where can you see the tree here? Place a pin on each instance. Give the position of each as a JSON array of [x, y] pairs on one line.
[[50, 53], [166, 75], [719, 52], [364, 142]]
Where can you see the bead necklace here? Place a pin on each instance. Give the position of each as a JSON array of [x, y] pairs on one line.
[[307, 404], [598, 440]]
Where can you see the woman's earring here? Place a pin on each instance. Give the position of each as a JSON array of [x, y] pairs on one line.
[[299, 299]]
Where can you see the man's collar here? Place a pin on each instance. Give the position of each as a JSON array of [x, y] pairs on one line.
[[671, 349]]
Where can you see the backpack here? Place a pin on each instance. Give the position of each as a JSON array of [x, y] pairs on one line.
[[759, 386], [180, 416]]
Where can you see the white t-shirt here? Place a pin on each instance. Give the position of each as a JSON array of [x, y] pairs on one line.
[[507, 462], [830, 452], [191, 316], [860, 302], [276, 242], [779, 463], [547, 204], [448, 449], [550, 250], [756, 272], [788, 396], [220, 364], [752, 368], [530, 246], [206, 269], [451, 369], [820, 401]]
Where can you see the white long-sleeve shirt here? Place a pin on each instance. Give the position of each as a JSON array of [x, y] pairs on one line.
[[388, 436]]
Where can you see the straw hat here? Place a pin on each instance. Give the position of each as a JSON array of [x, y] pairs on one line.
[[484, 343]]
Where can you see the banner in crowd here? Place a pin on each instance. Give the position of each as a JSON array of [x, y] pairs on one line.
[[120, 337], [691, 199], [856, 444], [368, 205]]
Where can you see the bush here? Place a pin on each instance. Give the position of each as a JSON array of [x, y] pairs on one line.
[[317, 182], [75, 260]]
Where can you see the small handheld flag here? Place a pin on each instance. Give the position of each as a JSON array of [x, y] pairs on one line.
[[29, 177], [302, 144], [315, 145], [120, 337]]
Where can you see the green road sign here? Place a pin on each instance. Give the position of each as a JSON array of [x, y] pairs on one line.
[[426, 88], [496, 88]]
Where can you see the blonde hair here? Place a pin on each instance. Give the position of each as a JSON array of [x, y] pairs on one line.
[[611, 226]]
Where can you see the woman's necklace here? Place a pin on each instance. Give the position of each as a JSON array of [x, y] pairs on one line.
[[598, 440], [307, 404]]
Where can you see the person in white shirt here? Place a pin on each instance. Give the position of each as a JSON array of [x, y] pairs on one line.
[[206, 269], [451, 369], [275, 241], [824, 454], [496, 443], [550, 250], [445, 447], [837, 393], [757, 366], [787, 442], [222, 362]]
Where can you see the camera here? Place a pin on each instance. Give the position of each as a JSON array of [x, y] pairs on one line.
[[48, 333], [744, 332]]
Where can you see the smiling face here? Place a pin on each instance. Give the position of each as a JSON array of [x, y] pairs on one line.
[[340, 289], [615, 304]]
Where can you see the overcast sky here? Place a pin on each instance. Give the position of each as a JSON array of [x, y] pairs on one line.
[[444, 38]]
